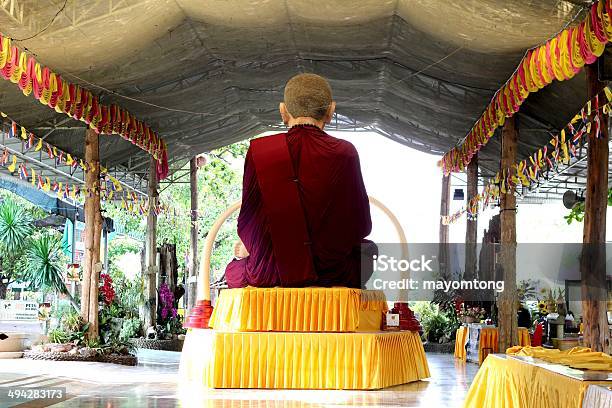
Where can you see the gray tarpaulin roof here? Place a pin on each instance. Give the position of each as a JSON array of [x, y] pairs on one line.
[[208, 73]]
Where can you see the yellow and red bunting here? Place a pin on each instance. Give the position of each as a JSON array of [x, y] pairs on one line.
[[560, 58], [50, 89], [559, 151], [110, 188]]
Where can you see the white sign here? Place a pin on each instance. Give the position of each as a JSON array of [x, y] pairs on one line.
[[392, 320], [18, 310]]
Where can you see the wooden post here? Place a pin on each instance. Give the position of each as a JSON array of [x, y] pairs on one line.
[[93, 229], [506, 302], [150, 306], [471, 230], [193, 237], [444, 210], [593, 260]]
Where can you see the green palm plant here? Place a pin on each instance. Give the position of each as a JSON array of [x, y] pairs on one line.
[[44, 265], [15, 226], [15, 229]]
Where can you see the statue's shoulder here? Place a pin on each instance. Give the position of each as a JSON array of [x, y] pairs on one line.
[[344, 147], [266, 139]]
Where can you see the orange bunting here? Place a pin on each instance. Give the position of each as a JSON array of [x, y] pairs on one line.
[[52, 90], [560, 58], [526, 173]]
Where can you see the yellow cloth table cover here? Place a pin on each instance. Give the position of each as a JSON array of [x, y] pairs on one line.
[[509, 383], [523, 337], [487, 343], [288, 360], [460, 340], [298, 309]]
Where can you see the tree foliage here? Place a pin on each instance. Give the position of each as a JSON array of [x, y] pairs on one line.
[[219, 185], [45, 263], [28, 254], [577, 212], [15, 226], [15, 230]]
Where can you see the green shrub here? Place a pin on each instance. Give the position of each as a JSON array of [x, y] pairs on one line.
[[59, 335], [130, 329], [72, 322], [75, 327], [436, 323], [434, 327]]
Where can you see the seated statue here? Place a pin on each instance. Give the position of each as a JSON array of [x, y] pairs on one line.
[[305, 210]]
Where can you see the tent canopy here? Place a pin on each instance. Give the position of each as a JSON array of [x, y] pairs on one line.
[[207, 74]]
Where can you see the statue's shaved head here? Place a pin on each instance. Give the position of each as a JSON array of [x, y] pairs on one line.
[[308, 95]]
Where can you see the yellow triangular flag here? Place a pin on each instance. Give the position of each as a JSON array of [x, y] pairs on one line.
[[12, 166]]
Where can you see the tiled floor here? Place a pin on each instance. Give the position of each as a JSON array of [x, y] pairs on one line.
[[153, 383]]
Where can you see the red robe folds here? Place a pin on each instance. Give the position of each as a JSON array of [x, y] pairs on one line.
[[337, 214]]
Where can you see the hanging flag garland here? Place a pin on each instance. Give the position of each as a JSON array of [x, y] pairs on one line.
[[559, 151], [110, 189], [560, 58], [50, 89]]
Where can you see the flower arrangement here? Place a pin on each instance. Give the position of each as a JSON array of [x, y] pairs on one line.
[[551, 299], [471, 314], [107, 292], [542, 307]]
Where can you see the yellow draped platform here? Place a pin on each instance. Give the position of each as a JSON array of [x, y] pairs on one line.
[[509, 383], [289, 360], [298, 309]]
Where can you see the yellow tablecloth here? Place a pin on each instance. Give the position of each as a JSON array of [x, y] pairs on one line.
[[509, 383], [302, 360], [524, 337], [298, 309], [460, 340], [488, 342]]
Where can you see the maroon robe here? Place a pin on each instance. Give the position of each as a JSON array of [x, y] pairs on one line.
[[336, 207]]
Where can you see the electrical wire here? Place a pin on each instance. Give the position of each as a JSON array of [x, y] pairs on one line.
[[46, 27]]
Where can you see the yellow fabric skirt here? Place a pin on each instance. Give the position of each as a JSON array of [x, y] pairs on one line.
[[524, 337], [460, 340], [509, 383], [298, 309], [488, 342], [287, 360]]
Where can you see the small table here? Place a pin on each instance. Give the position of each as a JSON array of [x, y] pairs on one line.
[[475, 342]]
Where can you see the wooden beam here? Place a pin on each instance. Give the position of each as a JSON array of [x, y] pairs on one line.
[[443, 239], [506, 302], [193, 236], [150, 304], [471, 230], [593, 259], [93, 228]]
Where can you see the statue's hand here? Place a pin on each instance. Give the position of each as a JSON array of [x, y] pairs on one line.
[[239, 250]]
